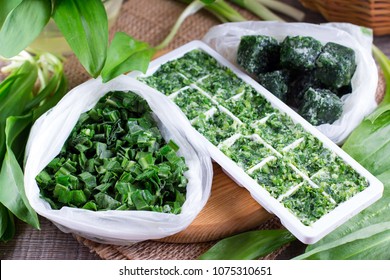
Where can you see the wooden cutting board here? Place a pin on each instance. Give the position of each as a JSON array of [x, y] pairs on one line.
[[229, 210]]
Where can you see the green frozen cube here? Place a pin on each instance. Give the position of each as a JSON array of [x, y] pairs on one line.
[[340, 180], [336, 65], [258, 53], [192, 102], [276, 82], [308, 204], [246, 152], [299, 52], [277, 177], [248, 106], [320, 106], [216, 128], [299, 84]]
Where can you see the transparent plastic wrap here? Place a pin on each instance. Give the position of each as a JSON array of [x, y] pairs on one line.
[[225, 39], [49, 134]]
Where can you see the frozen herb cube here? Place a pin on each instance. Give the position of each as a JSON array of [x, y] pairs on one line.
[[310, 155], [336, 65], [248, 106], [279, 131], [258, 53], [246, 152], [308, 204], [216, 128], [222, 84], [196, 64], [340, 180], [299, 52], [166, 79], [192, 102], [299, 85], [277, 177], [276, 82], [320, 106]]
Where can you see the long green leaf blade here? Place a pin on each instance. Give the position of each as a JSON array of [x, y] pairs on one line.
[[6, 7], [126, 54], [22, 25], [249, 245], [86, 31], [15, 96], [12, 194], [7, 224]]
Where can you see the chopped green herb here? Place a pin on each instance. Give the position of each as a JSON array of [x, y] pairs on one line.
[[125, 164], [320, 106], [192, 102], [276, 82], [217, 127], [299, 52], [167, 80], [258, 53], [279, 131], [248, 106], [222, 84], [310, 155], [246, 152], [277, 177], [336, 65], [340, 180], [308, 204]]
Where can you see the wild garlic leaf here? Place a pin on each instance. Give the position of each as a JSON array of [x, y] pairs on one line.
[[248, 245], [22, 25], [86, 33], [7, 224], [6, 7], [126, 54], [12, 194]]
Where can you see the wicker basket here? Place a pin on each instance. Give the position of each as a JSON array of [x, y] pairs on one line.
[[370, 13]]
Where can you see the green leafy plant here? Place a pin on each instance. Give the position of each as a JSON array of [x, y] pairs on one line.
[[35, 84], [83, 24], [248, 245]]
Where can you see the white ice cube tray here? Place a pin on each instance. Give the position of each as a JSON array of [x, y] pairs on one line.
[[277, 200]]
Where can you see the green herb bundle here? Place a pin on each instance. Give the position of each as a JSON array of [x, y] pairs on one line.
[[116, 159]]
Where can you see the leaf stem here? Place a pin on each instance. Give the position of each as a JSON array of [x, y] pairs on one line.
[[258, 9], [283, 8], [191, 9]]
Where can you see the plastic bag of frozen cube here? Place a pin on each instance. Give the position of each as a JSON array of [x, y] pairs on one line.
[[125, 187], [325, 72]]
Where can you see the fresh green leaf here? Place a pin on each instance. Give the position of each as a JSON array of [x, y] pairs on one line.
[[249, 245], [22, 25], [15, 95], [12, 193], [6, 7], [86, 32], [126, 54], [7, 224]]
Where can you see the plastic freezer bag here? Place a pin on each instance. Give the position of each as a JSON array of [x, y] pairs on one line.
[[49, 134], [225, 39]]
